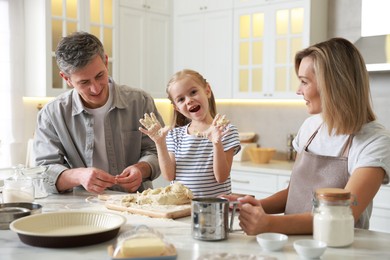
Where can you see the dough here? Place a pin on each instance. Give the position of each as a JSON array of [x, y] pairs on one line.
[[174, 194], [223, 121], [149, 121]]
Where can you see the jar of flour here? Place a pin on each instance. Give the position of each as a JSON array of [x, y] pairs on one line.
[[333, 221]]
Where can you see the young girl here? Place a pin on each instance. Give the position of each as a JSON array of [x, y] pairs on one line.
[[199, 151]]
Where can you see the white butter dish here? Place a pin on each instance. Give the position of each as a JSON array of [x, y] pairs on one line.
[[142, 243]]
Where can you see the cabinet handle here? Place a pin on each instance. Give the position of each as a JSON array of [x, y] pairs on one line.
[[239, 181]]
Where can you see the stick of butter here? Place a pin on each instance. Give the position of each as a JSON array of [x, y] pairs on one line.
[[143, 246]]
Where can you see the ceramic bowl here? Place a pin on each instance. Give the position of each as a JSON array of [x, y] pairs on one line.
[[261, 154], [272, 241], [309, 248]]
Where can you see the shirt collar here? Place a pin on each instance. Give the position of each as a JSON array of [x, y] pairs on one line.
[[117, 101]]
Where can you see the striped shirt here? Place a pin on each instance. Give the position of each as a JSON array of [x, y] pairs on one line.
[[194, 160]]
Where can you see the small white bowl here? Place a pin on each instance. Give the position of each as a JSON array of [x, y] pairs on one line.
[[309, 248], [271, 241]]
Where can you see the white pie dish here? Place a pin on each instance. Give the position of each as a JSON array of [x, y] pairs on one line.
[[68, 229]]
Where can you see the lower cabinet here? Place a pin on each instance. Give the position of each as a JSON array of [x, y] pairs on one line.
[[258, 184], [380, 217], [261, 183]]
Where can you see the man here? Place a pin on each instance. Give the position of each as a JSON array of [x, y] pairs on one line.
[[89, 135]]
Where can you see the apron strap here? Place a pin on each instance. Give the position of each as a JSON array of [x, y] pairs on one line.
[[344, 151], [347, 145], [311, 138]]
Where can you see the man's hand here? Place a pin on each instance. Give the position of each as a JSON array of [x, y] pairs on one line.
[[130, 179], [92, 179]]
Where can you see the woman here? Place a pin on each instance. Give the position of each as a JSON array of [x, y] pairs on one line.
[[340, 146]]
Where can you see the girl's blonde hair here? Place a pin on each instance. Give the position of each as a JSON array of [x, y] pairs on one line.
[[178, 118], [343, 84]]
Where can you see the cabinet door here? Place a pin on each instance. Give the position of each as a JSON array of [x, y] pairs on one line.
[[260, 185], [250, 53], [217, 44], [380, 217], [159, 6], [266, 38], [203, 42], [183, 7], [138, 4], [131, 47], [247, 3], [144, 47], [288, 38], [158, 60], [188, 44]]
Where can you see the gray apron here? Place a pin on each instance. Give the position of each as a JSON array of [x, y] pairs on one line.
[[312, 171]]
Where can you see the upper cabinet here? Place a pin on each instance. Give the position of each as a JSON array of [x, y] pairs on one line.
[[145, 45], [184, 7], [203, 39], [267, 34], [46, 22], [155, 6]]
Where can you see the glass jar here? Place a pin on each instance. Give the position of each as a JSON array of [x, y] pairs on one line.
[[18, 188], [39, 177], [333, 221]]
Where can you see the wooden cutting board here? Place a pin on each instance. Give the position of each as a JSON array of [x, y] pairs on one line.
[[153, 211]]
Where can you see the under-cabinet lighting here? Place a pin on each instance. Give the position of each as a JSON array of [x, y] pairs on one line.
[[247, 101], [38, 101], [261, 101]]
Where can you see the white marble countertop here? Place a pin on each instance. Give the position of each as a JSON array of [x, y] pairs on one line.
[[367, 244]]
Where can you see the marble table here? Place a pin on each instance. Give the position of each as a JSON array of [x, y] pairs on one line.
[[367, 244]]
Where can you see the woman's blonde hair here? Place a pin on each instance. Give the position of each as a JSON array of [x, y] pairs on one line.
[[343, 84], [178, 118]]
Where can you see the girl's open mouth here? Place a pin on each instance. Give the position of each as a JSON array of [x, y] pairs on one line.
[[194, 109]]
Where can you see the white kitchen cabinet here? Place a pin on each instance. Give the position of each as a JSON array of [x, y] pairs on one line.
[[155, 6], [145, 40], [260, 180], [380, 217], [203, 41], [196, 6], [266, 37], [46, 22], [249, 3], [266, 179]]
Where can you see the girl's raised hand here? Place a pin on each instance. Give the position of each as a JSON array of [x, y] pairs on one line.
[[217, 129], [153, 128]]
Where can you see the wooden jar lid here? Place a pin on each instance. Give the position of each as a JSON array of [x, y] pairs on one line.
[[332, 194]]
